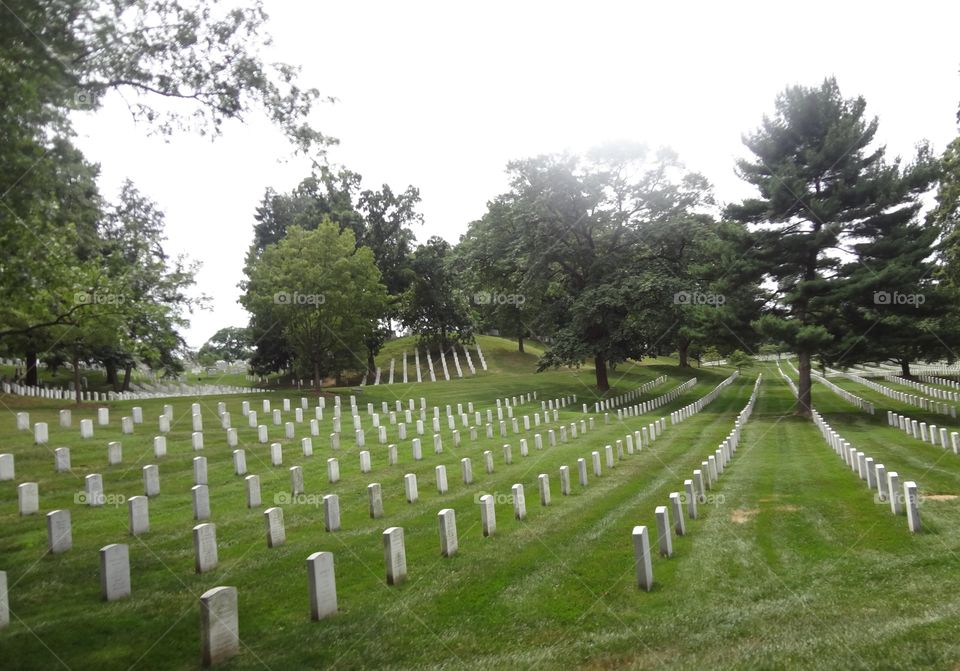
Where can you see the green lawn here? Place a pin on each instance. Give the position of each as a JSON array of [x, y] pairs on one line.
[[792, 566]]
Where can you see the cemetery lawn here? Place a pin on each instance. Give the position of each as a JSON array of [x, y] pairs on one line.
[[792, 565]]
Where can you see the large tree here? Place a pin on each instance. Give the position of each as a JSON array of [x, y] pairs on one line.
[[322, 293], [585, 224], [175, 66], [822, 180]]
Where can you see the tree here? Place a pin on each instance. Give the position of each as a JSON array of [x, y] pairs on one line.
[[434, 306], [229, 344], [321, 292], [584, 223], [820, 180]]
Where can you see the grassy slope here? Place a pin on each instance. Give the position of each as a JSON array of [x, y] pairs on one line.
[[795, 566]]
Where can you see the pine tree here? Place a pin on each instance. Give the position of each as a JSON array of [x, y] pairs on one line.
[[822, 182]]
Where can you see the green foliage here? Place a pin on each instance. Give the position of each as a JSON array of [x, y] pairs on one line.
[[229, 344], [434, 306], [823, 186], [321, 293]]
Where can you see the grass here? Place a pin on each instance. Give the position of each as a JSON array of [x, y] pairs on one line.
[[792, 566]]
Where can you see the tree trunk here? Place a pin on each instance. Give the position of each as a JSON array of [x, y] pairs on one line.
[[804, 384], [601, 365], [520, 343], [371, 364], [76, 377], [683, 345], [316, 375], [111, 370], [905, 369], [127, 373], [31, 377]]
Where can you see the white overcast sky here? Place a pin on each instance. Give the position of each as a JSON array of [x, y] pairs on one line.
[[442, 95]]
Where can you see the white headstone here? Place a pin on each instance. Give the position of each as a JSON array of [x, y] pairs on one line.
[[114, 572], [28, 498], [488, 515], [276, 535], [201, 502], [253, 491], [331, 512], [61, 459], [138, 515], [322, 584], [410, 487], [205, 547], [641, 552], [219, 625], [151, 480], [394, 555], [59, 532], [375, 499], [447, 520]]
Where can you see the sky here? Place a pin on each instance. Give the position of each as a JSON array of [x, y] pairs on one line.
[[443, 95]]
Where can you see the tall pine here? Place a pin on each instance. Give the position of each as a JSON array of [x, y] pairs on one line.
[[823, 183]]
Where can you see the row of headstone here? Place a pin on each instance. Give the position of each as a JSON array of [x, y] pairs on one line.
[[921, 431], [866, 406], [875, 475], [649, 406], [903, 397], [690, 410], [940, 394], [69, 394], [632, 395], [695, 490], [942, 381]]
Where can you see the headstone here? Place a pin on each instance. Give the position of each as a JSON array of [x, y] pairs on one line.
[[466, 470], [441, 472], [114, 572], [240, 462], [138, 515], [447, 520], [543, 481], [94, 489], [679, 525], [488, 461], [4, 601], [201, 502], [912, 504], [582, 471], [114, 453], [28, 498], [375, 500], [61, 459], [663, 531], [86, 428], [410, 487], [253, 491], [394, 555], [333, 470], [331, 512], [276, 535], [219, 625], [641, 552], [893, 486], [322, 584], [159, 446], [41, 433], [519, 502], [364, 461], [151, 480], [199, 470], [6, 467], [565, 480], [205, 547], [488, 515], [276, 454], [59, 532]]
